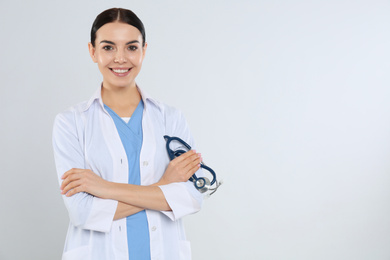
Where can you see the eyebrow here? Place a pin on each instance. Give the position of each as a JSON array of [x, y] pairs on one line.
[[112, 43]]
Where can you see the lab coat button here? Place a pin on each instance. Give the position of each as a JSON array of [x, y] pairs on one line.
[[154, 228], [145, 163]]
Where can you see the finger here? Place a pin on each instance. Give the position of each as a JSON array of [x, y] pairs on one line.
[[193, 159], [71, 186], [192, 167], [192, 171], [68, 180], [70, 172], [74, 191], [71, 178], [184, 156], [182, 161]]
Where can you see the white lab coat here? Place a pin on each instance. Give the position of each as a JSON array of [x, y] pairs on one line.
[[85, 136]]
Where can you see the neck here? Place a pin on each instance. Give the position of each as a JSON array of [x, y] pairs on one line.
[[123, 100]]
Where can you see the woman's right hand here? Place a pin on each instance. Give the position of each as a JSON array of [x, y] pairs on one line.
[[181, 168]]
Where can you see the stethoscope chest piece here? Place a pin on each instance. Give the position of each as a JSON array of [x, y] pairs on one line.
[[202, 184]]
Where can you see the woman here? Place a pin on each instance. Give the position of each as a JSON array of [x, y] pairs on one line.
[[124, 197]]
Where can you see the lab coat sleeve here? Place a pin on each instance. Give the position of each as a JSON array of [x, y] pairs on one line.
[[85, 211], [182, 197]]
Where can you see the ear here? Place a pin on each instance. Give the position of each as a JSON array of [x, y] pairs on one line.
[[144, 50], [92, 52]]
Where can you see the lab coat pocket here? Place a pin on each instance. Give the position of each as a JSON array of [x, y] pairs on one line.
[[78, 253], [185, 250]]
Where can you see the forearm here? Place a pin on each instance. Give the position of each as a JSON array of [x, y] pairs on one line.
[[151, 197], [124, 210], [140, 197]]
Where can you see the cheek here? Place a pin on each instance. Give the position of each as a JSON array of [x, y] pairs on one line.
[[103, 59], [136, 59]]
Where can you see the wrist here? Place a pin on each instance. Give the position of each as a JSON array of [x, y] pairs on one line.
[[107, 189], [156, 184], [160, 183]]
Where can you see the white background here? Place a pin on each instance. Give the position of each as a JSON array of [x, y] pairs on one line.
[[287, 100]]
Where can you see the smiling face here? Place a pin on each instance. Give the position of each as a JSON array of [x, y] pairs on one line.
[[119, 54]]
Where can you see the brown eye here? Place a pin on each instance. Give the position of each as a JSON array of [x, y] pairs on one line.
[[133, 48], [107, 48]]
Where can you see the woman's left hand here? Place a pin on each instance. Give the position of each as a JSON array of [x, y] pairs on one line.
[[83, 180]]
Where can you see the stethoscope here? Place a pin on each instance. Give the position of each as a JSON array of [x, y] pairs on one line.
[[202, 184]]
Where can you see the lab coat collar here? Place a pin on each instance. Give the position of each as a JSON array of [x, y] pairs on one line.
[[97, 96]]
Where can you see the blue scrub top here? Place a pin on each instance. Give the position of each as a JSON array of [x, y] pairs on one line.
[[138, 240]]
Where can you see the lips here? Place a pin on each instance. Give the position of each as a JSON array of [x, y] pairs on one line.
[[120, 72]]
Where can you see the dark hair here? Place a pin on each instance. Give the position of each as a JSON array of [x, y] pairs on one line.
[[117, 15]]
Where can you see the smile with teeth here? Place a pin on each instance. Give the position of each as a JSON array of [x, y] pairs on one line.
[[120, 70]]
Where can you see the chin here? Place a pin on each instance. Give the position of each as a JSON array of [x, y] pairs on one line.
[[121, 83]]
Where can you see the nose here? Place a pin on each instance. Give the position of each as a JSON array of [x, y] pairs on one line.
[[120, 57]]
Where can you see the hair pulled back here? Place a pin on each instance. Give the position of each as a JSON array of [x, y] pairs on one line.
[[117, 15]]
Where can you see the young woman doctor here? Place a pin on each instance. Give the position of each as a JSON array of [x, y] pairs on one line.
[[124, 197]]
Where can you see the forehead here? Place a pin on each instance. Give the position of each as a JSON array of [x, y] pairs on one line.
[[118, 32]]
